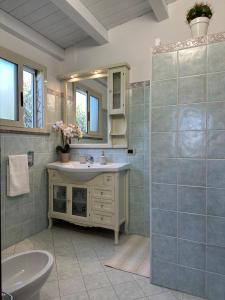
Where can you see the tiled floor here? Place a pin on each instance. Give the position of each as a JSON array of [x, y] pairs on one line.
[[79, 273]]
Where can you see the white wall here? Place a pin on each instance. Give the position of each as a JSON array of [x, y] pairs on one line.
[[132, 42], [18, 46]]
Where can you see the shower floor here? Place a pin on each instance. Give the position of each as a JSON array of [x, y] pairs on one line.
[[79, 272]]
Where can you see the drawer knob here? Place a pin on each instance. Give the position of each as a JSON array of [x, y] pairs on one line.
[[102, 205], [101, 193], [108, 179], [101, 218]]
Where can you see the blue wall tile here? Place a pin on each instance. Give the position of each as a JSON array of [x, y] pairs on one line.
[[216, 173], [164, 274], [192, 117], [164, 170], [192, 199], [164, 144], [215, 286], [216, 115], [164, 222], [192, 227], [164, 119], [216, 202], [192, 61], [164, 248], [216, 87], [191, 254], [191, 172], [191, 281], [216, 54], [164, 196], [191, 144], [216, 231], [164, 92], [164, 66], [216, 144], [192, 89], [215, 259]]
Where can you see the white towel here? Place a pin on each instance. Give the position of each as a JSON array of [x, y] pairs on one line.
[[18, 175]]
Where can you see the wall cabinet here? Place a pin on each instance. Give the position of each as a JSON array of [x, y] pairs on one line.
[[100, 202], [118, 105]]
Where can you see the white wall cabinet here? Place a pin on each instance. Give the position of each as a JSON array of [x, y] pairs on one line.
[[100, 202]]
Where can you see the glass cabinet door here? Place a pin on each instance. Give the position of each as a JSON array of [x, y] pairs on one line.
[[117, 90], [59, 198], [80, 202]]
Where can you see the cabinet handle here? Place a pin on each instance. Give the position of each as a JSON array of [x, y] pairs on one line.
[[101, 193], [102, 205], [101, 218]]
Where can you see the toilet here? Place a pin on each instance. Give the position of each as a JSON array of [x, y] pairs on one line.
[[24, 274]]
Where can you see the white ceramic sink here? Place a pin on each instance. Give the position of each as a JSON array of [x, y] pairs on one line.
[[81, 172]]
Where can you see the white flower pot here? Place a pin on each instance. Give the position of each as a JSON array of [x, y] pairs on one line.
[[199, 26]]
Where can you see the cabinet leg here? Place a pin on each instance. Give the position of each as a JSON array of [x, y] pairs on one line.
[[49, 223], [116, 237]]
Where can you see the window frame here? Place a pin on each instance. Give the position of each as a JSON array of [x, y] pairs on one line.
[[90, 92], [23, 63]]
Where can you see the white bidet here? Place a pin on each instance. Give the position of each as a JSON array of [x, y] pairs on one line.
[[24, 274]]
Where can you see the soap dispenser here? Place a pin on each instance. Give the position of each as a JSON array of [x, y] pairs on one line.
[[102, 159]]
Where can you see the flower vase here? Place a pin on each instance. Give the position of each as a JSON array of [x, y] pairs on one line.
[[64, 157]]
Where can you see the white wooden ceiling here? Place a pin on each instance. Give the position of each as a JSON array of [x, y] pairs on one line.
[[53, 23]]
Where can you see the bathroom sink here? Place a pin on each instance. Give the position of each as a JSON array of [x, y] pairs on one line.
[[83, 172]]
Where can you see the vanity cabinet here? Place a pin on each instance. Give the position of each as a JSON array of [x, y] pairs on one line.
[[99, 202]]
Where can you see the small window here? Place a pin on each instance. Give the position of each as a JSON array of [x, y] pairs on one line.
[[8, 90], [88, 111], [21, 92]]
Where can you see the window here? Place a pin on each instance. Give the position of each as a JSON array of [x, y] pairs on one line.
[[8, 90], [21, 92], [88, 111]]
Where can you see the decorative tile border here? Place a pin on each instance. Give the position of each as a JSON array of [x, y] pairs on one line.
[[139, 84], [203, 40]]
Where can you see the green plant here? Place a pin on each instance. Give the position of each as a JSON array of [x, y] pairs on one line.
[[199, 10]]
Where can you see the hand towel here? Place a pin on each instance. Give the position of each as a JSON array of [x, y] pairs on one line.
[[18, 175]]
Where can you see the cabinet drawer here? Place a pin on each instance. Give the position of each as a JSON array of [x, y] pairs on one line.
[[103, 193], [100, 219], [108, 180], [104, 206]]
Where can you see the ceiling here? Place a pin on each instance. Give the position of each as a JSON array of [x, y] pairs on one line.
[[56, 24]]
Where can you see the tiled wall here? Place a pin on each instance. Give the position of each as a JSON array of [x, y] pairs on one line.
[[25, 215], [188, 170], [139, 174]]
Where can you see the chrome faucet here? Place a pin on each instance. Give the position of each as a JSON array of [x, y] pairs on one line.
[[90, 159]]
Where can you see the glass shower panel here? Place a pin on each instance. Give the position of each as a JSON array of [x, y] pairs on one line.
[[59, 198], [79, 201]]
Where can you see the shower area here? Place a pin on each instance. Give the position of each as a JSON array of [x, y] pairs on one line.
[[188, 167]]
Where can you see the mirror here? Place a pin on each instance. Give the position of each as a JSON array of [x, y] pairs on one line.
[[87, 105]]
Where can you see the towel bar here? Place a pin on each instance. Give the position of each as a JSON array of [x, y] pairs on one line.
[[30, 157]]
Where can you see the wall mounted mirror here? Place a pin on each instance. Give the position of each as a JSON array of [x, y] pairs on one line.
[[89, 101]]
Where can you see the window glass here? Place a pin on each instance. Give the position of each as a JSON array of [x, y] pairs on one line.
[[8, 90], [81, 109], [28, 98], [94, 114]]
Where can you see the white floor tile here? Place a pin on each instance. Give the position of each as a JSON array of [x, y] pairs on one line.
[[106, 293], [95, 281], [128, 291]]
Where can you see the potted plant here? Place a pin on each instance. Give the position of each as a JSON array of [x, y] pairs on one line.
[[198, 18], [67, 132]]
